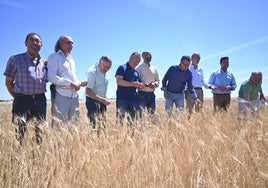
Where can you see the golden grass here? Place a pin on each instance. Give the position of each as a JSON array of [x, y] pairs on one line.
[[204, 151]]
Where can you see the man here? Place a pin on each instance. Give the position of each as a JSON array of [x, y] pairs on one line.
[[149, 76], [62, 73], [128, 81], [198, 82], [250, 94], [96, 89], [222, 82], [26, 77], [173, 85]]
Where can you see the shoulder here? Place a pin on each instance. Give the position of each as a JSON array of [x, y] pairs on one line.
[[216, 72], [17, 57], [53, 56], [231, 74]]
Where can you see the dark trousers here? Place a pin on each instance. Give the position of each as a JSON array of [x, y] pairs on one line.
[[26, 108], [95, 111], [221, 101], [147, 101], [130, 108]]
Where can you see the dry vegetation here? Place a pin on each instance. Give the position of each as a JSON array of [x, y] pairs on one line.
[[204, 151]]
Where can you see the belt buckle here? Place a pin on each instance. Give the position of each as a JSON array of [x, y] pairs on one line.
[[34, 96]]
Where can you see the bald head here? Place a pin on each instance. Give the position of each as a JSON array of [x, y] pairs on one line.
[[256, 77]]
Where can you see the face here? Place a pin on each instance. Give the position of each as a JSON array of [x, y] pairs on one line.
[[134, 60], [147, 56], [33, 44], [66, 44], [256, 78], [224, 64], [184, 65], [195, 60], [105, 66]]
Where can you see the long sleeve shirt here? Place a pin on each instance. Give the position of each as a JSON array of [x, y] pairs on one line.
[[175, 80], [62, 72], [198, 77], [222, 78]]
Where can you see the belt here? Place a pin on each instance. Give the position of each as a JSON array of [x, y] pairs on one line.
[[177, 92], [221, 93], [197, 87], [35, 96], [146, 92]]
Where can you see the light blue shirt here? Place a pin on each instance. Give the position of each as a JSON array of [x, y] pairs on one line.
[[97, 81], [222, 78]]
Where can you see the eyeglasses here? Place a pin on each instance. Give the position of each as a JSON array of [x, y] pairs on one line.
[[34, 41]]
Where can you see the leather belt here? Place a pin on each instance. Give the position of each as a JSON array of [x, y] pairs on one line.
[[197, 87], [35, 96]]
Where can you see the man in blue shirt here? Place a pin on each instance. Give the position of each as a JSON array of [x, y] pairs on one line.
[[173, 85], [222, 82], [128, 81]]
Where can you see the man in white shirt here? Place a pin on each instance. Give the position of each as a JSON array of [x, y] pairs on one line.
[[149, 76], [62, 74], [198, 82]]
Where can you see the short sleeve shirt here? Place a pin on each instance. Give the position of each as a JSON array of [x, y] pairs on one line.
[[248, 88], [97, 81], [29, 78], [131, 75]]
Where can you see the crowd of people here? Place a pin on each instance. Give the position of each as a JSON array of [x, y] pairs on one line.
[[27, 75]]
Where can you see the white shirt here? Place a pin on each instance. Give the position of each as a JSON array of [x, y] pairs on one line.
[[198, 77], [148, 74], [62, 72]]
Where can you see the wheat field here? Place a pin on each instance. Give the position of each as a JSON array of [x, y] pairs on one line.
[[207, 150]]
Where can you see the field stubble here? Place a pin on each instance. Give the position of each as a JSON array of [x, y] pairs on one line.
[[204, 151]]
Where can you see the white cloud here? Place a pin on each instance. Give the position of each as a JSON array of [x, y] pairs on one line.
[[240, 47], [13, 4]]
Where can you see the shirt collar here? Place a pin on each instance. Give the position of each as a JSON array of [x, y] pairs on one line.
[[61, 52]]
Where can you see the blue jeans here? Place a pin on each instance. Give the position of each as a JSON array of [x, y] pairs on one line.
[[177, 98], [25, 109], [95, 110], [147, 101], [123, 107]]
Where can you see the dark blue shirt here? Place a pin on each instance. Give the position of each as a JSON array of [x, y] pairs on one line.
[[175, 80], [131, 75]]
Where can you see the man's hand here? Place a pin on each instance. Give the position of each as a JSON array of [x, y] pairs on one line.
[[139, 85], [83, 84], [198, 102]]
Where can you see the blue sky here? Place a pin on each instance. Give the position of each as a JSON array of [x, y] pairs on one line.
[[167, 28]]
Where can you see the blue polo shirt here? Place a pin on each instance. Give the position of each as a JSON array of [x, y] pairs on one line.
[[131, 75]]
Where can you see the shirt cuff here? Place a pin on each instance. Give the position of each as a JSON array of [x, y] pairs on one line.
[[163, 88]]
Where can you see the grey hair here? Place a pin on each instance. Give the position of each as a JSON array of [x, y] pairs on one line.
[[57, 45]]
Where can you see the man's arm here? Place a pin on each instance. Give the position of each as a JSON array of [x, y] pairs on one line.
[[121, 82], [9, 85], [92, 95]]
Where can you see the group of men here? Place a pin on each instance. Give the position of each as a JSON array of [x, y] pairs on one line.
[[27, 75]]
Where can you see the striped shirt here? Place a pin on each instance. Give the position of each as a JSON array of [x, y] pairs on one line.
[[29, 78]]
